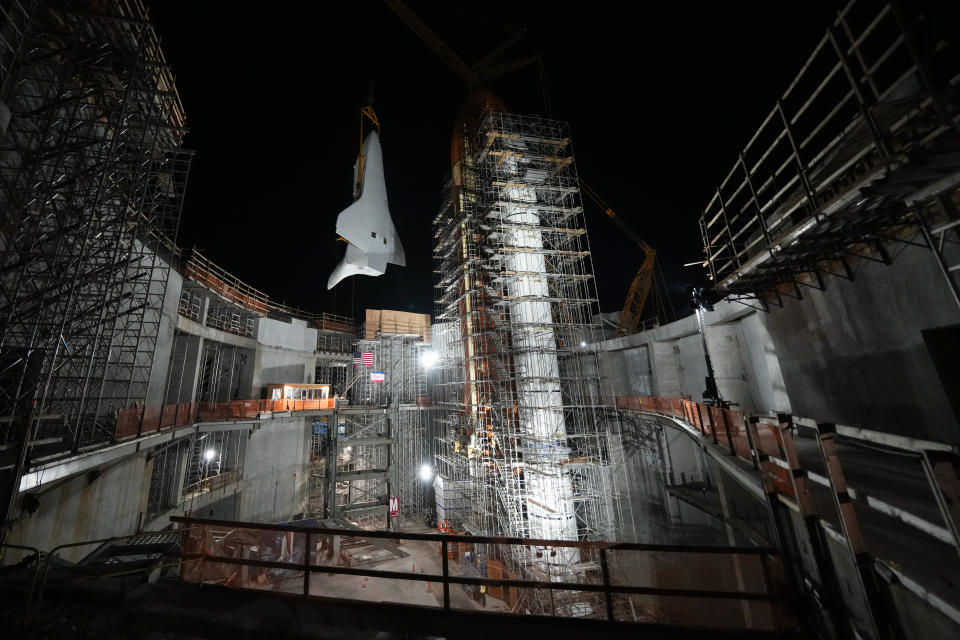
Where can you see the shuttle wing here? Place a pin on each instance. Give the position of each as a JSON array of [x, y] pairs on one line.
[[366, 224]]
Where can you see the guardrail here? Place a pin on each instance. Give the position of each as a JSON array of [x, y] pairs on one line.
[[757, 439], [44, 562], [138, 421], [143, 420], [739, 587], [205, 272], [229, 287], [767, 441], [212, 483], [861, 96]]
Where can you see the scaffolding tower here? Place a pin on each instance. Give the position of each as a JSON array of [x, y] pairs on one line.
[[374, 445], [92, 177], [528, 431]]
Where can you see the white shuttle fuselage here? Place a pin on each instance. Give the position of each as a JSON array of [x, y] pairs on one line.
[[366, 224]]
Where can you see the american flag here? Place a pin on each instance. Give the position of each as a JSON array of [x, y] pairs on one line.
[[363, 358]]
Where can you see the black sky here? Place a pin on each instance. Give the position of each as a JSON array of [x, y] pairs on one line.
[[660, 98]]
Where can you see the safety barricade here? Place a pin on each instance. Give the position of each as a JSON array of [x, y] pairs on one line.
[[138, 420], [744, 434]]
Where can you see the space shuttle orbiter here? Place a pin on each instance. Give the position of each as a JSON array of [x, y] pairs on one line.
[[366, 224]]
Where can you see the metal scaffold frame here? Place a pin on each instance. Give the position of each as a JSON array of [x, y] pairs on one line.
[[398, 358], [858, 153], [92, 178], [380, 436], [362, 441], [529, 433]]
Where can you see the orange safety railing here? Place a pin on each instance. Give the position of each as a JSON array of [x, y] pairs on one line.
[[216, 279], [137, 420], [330, 322], [742, 432], [201, 270]]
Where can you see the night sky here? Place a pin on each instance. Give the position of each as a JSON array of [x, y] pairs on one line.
[[659, 100]]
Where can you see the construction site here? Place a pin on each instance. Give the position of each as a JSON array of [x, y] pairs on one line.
[[184, 455]]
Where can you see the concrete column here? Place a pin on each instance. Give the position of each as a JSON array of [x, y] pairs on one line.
[[204, 310], [191, 369], [180, 475]]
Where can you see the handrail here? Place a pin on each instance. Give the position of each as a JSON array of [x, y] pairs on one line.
[[832, 120], [675, 407], [44, 561], [205, 553], [214, 277]]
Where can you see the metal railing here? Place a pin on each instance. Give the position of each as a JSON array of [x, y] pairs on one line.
[[860, 98], [228, 286], [767, 441], [42, 563], [140, 420], [205, 272], [726, 582], [212, 483]]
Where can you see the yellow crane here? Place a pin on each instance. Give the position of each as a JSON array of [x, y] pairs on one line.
[[485, 69], [642, 282]]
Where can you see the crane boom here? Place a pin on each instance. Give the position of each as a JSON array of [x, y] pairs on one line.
[[483, 70], [434, 42], [637, 296], [642, 282], [613, 216]]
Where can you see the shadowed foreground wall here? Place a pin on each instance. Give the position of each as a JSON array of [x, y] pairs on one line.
[[855, 353]]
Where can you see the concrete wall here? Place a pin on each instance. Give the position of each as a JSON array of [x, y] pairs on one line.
[[763, 364], [273, 482], [285, 353], [275, 474], [669, 360], [658, 459], [280, 351], [273, 486], [168, 324], [93, 505], [855, 354]]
